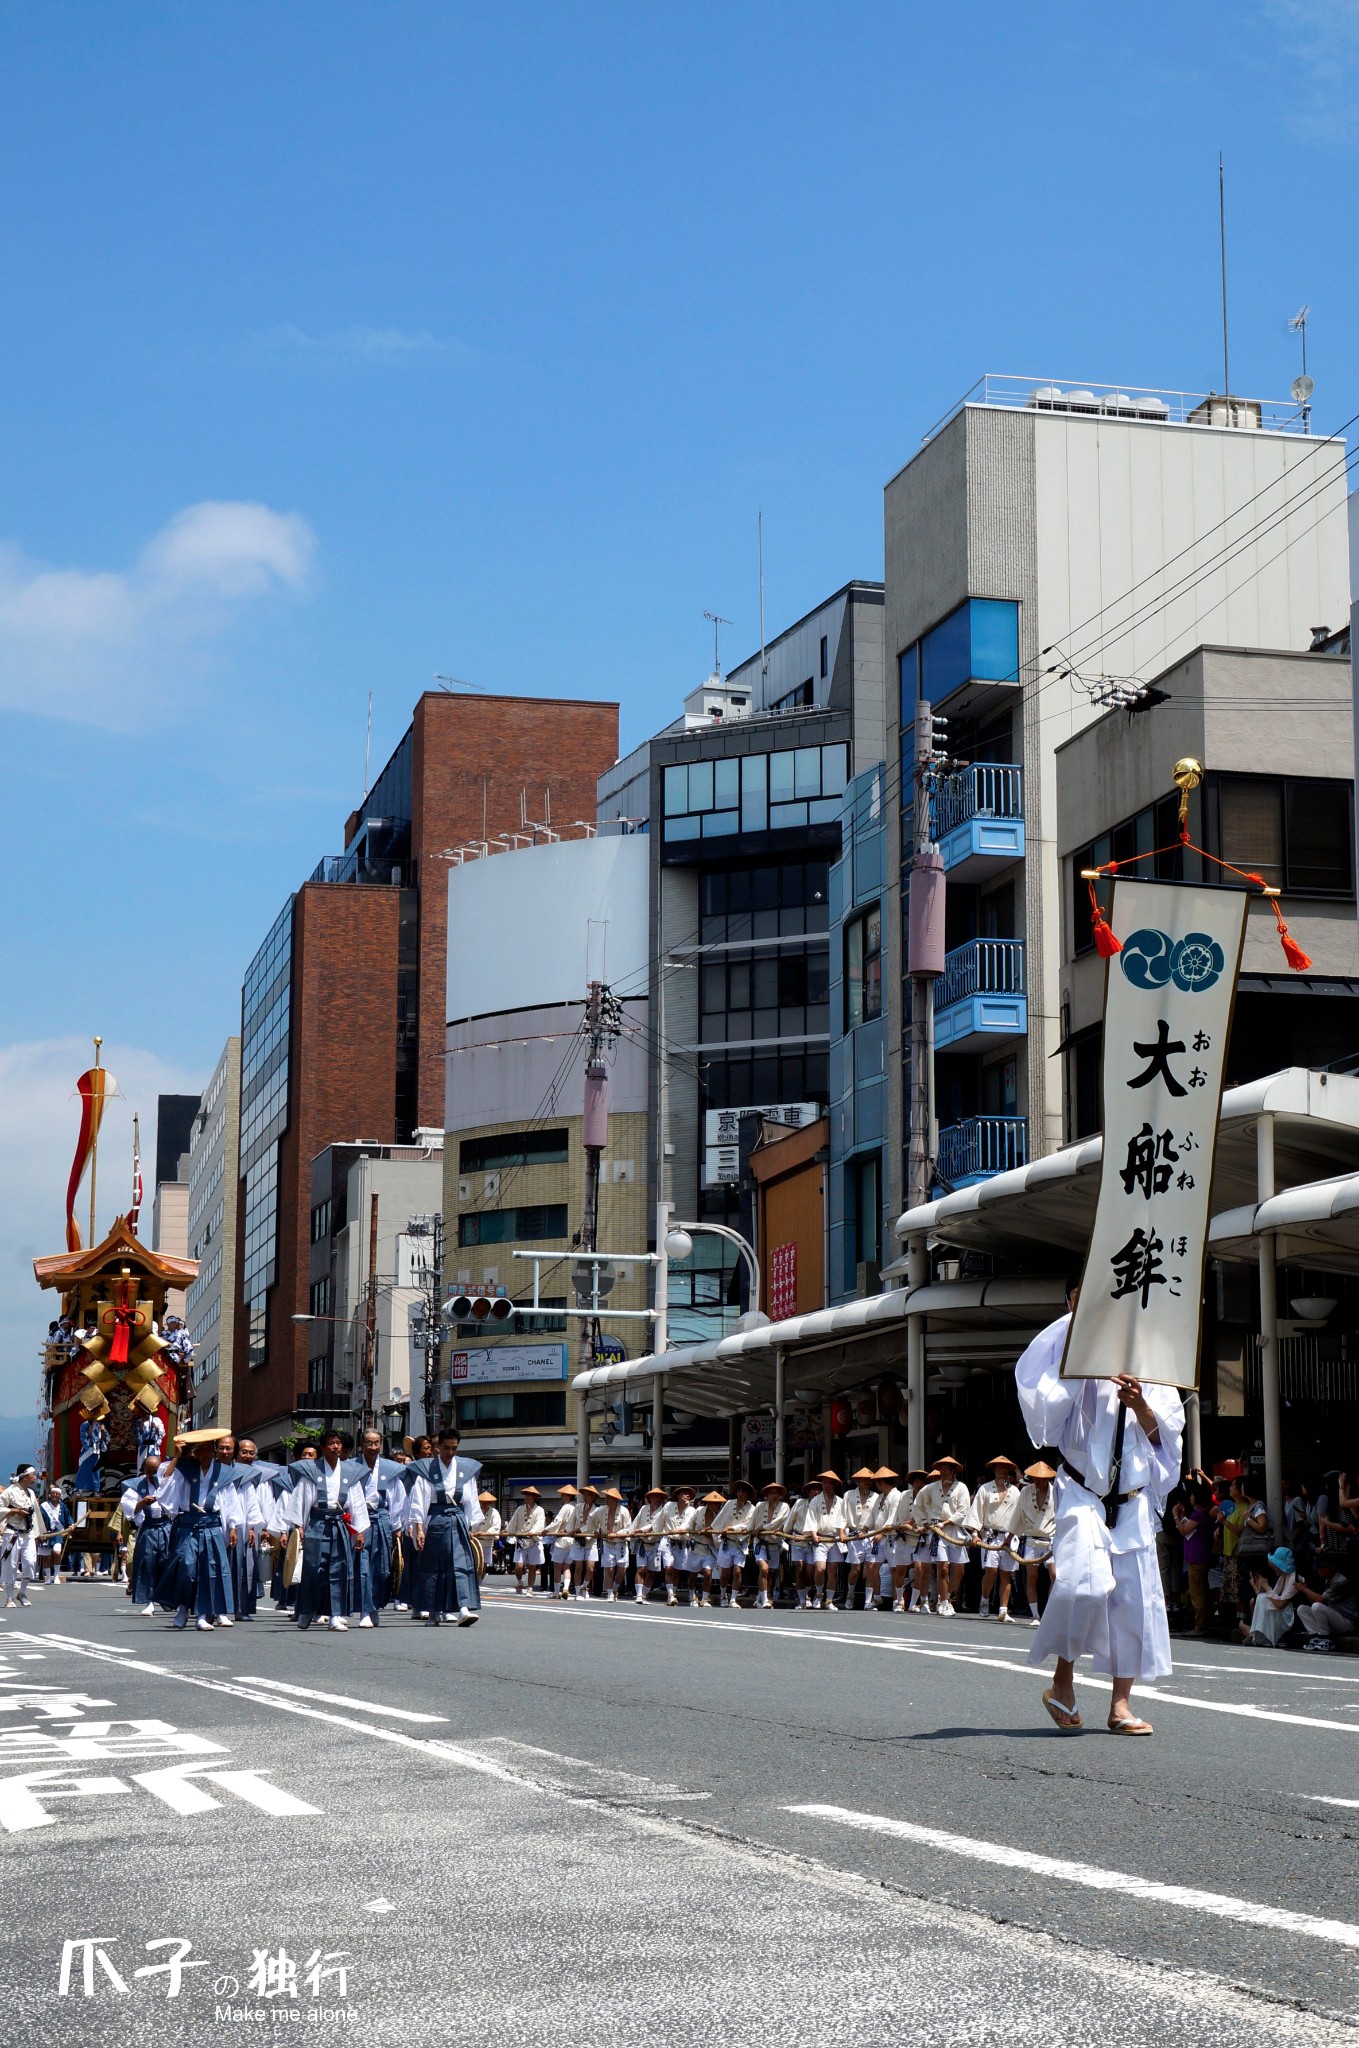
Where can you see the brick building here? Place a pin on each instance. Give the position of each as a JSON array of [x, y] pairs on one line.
[[342, 1015]]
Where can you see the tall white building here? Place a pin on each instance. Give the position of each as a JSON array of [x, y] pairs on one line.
[[1044, 542]]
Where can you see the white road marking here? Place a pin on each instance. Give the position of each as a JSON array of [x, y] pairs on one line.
[[378, 1906], [1325, 1799], [617, 1784], [765, 1855], [340, 1699], [174, 1788], [1219, 1904], [973, 1661], [21, 1798]]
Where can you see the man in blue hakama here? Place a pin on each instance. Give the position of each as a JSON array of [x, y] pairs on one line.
[[329, 1508], [149, 1523], [207, 1522], [442, 1510]]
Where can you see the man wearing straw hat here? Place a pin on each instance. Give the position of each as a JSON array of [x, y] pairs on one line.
[[653, 1549], [993, 1514], [150, 1526], [826, 1525], [770, 1517], [701, 1554], [584, 1552], [609, 1525], [733, 1527], [858, 1507], [941, 1509], [20, 1520], [1037, 1525], [525, 1531], [558, 1536]]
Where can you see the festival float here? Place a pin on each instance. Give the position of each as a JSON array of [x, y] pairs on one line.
[[118, 1369]]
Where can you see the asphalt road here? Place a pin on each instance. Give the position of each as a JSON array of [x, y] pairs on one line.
[[596, 1824]]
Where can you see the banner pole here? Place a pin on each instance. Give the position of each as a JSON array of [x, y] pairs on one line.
[[94, 1141], [1269, 1334]]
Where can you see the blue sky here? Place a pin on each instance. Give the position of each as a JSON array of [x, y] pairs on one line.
[[347, 343]]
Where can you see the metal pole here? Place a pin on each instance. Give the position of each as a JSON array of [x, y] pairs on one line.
[[659, 1341], [1269, 1333], [370, 1361], [94, 1144], [917, 1273], [780, 1430], [1193, 1432]]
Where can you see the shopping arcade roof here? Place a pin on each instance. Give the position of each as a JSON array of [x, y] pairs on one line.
[[1045, 1210]]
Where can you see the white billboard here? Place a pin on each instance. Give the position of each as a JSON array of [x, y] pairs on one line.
[[496, 1362]]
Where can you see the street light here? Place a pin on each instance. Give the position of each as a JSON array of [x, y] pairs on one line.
[[679, 1244]]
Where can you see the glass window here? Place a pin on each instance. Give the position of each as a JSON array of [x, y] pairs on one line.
[[700, 785], [738, 985], [507, 1226], [717, 824], [834, 769], [780, 778], [754, 774], [807, 772], [714, 990], [726, 783], [754, 811], [824, 811], [908, 673], [676, 791], [683, 828], [1251, 824], [1319, 840], [781, 816], [863, 967], [945, 656], [512, 1148], [995, 639]]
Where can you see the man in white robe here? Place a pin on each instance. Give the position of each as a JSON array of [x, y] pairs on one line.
[[1106, 1598]]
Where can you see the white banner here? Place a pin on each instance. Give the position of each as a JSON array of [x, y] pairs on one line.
[[492, 1362], [1167, 1013]]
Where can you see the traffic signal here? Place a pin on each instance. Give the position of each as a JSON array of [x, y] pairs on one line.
[[479, 1305]]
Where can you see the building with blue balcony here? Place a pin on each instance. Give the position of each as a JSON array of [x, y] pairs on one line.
[[1023, 543]]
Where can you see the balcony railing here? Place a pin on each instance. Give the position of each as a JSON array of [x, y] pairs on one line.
[[980, 1146], [374, 873], [983, 967], [984, 789]]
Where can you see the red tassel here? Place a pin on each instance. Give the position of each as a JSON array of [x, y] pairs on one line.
[[1293, 952], [1107, 941]]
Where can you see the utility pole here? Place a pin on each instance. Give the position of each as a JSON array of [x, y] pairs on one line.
[[428, 1322], [924, 964], [369, 1414], [603, 1021]]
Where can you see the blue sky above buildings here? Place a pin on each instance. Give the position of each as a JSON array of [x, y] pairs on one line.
[[344, 344]]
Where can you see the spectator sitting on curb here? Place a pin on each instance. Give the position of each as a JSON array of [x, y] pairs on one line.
[[1273, 1613], [1333, 1608]]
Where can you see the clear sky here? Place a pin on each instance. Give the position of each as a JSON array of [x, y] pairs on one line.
[[344, 343]]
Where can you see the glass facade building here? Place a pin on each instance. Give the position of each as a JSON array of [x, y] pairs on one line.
[[855, 1187], [266, 1016]]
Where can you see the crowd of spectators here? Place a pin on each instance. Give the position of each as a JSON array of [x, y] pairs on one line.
[[1229, 1574]]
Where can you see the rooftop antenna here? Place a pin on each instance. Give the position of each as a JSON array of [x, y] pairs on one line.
[[718, 622], [1302, 387], [764, 658], [450, 683], [1222, 247], [368, 748]]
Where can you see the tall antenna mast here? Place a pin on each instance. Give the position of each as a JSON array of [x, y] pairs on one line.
[[368, 748], [1302, 387], [1222, 246], [717, 624], [764, 658]]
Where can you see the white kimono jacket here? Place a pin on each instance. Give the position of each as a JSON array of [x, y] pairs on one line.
[[1107, 1596]]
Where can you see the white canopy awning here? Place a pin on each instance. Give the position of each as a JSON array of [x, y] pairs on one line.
[[1316, 1224], [1049, 1206], [831, 1348]]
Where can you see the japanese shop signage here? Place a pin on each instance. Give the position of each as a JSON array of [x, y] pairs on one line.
[[1168, 1009]]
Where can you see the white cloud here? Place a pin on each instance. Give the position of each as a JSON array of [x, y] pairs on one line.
[[354, 344], [1323, 35], [39, 1120], [107, 645]]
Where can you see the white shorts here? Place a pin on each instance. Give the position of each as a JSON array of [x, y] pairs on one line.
[[561, 1549], [1038, 1547], [658, 1556], [949, 1553], [528, 1552], [1002, 1560], [697, 1558], [584, 1553], [768, 1554], [860, 1549], [614, 1555], [731, 1557], [827, 1553]]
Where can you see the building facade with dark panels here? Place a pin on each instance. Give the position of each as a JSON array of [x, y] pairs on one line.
[[342, 1033]]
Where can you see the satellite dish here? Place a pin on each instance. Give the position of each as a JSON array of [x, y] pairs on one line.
[[1301, 390]]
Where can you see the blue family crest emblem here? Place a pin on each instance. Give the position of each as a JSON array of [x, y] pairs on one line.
[[1152, 958]]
